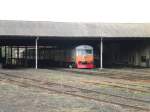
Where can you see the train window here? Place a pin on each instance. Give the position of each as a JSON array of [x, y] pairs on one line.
[[84, 51], [88, 51], [80, 52]]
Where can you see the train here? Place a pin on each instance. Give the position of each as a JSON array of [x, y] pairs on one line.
[[84, 56], [77, 57], [81, 56]]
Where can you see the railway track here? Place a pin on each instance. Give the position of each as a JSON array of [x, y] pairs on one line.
[[114, 84], [117, 86], [75, 91], [53, 83]]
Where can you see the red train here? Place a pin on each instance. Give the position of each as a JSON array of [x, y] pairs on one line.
[[79, 57], [84, 56]]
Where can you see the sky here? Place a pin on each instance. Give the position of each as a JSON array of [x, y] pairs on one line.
[[123, 11]]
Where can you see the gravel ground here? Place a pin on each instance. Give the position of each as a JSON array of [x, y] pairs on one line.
[[17, 99], [14, 98]]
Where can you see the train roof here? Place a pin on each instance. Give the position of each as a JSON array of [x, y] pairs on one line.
[[70, 29]]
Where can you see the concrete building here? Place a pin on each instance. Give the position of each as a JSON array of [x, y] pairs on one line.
[[115, 44]]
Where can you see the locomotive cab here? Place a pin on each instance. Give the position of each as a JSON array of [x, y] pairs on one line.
[[84, 56]]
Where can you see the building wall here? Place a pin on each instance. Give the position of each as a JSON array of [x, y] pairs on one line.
[[140, 56], [130, 53]]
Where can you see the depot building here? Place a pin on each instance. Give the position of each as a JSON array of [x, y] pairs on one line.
[[24, 43]]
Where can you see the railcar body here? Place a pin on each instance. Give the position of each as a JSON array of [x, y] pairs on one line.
[[79, 57], [84, 56]]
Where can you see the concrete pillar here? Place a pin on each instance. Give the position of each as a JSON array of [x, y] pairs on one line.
[[101, 53], [36, 52]]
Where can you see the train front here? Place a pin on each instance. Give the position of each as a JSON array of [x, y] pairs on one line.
[[84, 56]]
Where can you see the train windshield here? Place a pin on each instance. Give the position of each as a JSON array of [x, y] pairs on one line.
[[84, 51]]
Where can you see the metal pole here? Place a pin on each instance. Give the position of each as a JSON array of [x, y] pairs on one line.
[[5, 55], [18, 62], [26, 49], [36, 52], [101, 53], [11, 55]]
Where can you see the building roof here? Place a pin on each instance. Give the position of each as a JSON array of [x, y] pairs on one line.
[[69, 29]]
